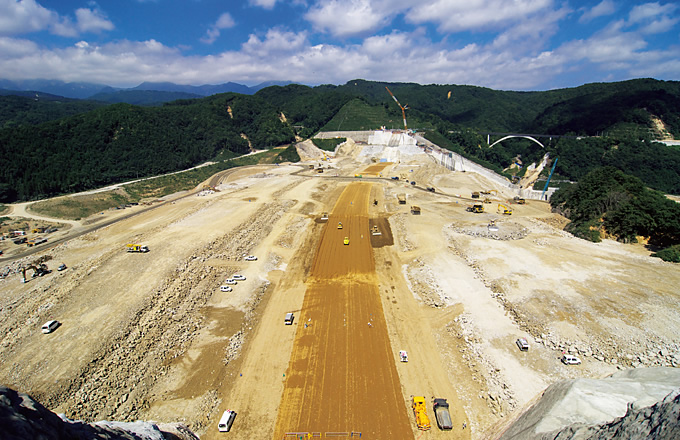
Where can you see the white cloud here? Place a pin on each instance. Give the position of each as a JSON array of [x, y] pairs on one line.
[[346, 18], [478, 15], [653, 18], [22, 17], [266, 4], [605, 7], [224, 21], [650, 10], [27, 16], [92, 21]]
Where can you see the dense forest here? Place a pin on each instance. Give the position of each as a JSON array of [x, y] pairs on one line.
[[55, 147], [607, 201], [121, 142]]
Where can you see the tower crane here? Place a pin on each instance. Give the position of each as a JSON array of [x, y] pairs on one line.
[[403, 109]]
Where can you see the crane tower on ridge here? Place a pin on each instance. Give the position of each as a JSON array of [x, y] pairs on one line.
[[403, 109]]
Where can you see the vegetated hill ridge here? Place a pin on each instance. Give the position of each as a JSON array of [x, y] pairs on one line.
[[126, 141]]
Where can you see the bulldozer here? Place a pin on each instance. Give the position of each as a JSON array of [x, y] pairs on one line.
[[476, 208], [504, 209]]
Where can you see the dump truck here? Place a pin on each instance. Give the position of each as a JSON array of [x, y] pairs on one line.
[[324, 217], [420, 412], [375, 230], [441, 413], [415, 210], [132, 247], [475, 195], [402, 198], [477, 208]]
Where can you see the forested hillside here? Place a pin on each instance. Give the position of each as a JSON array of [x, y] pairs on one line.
[[121, 141], [45, 153], [38, 108], [607, 201]]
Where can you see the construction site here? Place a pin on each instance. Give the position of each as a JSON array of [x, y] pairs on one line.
[[390, 296]]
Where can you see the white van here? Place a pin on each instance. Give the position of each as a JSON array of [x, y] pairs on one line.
[[50, 326], [226, 421], [289, 319], [230, 281], [225, 289]]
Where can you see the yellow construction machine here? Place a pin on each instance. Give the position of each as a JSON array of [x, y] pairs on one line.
[[504, 209], [519, 200], [420, 411], [133, 247], [476, 208]]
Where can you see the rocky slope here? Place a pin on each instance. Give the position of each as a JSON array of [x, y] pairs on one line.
[[22, 418]]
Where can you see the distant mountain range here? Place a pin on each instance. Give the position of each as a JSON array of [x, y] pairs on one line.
[[82, 90]]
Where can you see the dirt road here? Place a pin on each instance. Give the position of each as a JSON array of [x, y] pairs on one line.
[[342, 375]]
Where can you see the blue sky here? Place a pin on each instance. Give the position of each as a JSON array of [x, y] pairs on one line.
[[501, 44]]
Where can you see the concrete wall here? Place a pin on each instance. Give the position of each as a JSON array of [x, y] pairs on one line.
[[449, 159]]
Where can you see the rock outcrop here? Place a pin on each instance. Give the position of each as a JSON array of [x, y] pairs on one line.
[[23, 418], [631, 404]]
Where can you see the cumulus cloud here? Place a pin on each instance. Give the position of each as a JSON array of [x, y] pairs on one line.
[[343, 18], [605, 7], [92, 21], [224, 21], [518, 58], [27, 16], [266, 4], [22, 17], [478, 15]]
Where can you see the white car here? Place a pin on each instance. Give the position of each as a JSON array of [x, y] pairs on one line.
[[226, 289], [49, 326], [569, 359], [238, 277], [251, 258], [230, 281]]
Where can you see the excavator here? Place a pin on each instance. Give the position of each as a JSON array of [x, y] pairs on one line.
[[489, 191], [505, 210], [38, 267]]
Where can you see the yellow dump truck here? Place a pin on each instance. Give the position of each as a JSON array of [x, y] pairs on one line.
[[402, 198], [420, 412], [477, 208], [133, 247]]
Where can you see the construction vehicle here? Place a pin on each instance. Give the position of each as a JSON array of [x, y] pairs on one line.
[[489, 191], [403, 108], [375, 230], [486, 200], [476, 208], [475, 194], [345, 241], [402, 198], [492, 226], [415, 210], [132, 247], [519, 200], [38, 267], [358, 176], [339, 225], [504, 209], [420, 411], [324, 217], [441, 414], [36, 241]]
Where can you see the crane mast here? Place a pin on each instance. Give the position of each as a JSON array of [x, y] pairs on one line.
[[403, 108]]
